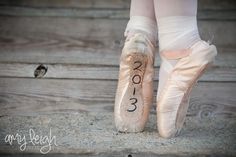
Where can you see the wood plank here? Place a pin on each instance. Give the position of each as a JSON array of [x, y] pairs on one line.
[[216, 5], [56, 54], [34, 96], [69, 3], [100, 13], [77, 55], [101, 32], [121, 4], [69, 32], [62, 12], [69, 71], [86, 41], [216, 15]]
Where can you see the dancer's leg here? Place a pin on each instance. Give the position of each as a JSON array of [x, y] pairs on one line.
[[142, 18], [165, 8], [135, 86], [177, 23], [142, 8], [184, 58], [177, 29]]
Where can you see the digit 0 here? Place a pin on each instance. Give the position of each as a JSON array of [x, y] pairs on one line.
[[136, 79]]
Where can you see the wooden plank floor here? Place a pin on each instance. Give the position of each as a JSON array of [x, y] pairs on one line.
[[59, 63]]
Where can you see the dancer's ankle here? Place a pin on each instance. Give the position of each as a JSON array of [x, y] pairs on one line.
[[177, 32], [144, 25]]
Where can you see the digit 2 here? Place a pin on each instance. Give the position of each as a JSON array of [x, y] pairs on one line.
[[139, 65]]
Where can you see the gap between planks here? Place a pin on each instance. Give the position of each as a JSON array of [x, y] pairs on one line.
[[87, 56], [95, 72]]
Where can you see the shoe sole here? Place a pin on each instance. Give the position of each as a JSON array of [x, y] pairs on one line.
[[132, 106]]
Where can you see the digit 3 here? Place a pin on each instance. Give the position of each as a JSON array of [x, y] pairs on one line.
[[133, 104], [135, 100]]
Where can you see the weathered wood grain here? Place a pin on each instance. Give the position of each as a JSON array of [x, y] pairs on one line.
[[69, 3], [76, 71], [62, 12], [30, 40], [33, 96], [53, 54], [100, 13], [121, 4], [97, 33]]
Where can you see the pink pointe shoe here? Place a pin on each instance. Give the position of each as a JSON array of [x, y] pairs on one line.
[[172, 104], [135, 86]]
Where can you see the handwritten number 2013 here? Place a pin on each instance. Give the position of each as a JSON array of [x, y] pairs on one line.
[[136, 79]]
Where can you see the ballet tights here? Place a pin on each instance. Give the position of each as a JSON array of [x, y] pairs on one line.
[[176, 23]]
